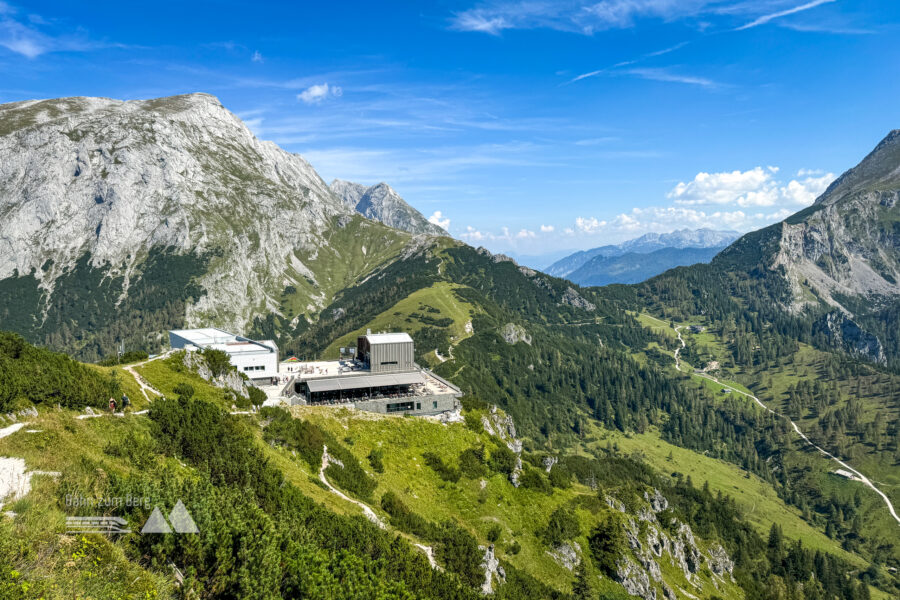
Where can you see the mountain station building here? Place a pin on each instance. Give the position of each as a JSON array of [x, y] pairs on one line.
[[255, 359], [381, 377]]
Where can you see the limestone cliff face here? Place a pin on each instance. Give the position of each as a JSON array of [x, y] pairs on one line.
[[846, 245], [111, 180], [381, 203]]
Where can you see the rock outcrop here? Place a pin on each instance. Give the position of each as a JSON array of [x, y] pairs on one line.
[[504, 428], [513, 334], [640, 571], [230, 380], [492, 570]]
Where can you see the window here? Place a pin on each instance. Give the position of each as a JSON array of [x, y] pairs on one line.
[[418, 406], [389, 362], [399, 407], [435, 403]]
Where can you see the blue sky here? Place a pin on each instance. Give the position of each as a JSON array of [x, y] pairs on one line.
[[526, 127]]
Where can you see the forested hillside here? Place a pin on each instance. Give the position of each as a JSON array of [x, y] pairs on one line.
[[252, 486]]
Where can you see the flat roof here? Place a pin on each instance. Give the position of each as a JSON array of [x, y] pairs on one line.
[[219, 339], [242, 348], [205, 336], [355, 382], [388, 338]]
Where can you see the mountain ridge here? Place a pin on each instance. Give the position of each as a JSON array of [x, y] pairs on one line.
[[380, 202]]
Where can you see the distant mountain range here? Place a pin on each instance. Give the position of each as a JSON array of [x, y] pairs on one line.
[[641, 258]]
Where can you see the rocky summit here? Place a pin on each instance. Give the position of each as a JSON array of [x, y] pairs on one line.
[[381, 203], [105, 187]]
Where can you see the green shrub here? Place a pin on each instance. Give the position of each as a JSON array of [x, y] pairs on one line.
[[532, 479], [560, 477], [375, 460], [33, 375], [184, 391], [407, 521], [494, 533], [471, 462], [217, 361], [129, 357], [308, 440], [459, 552], [257, 396], [562, 526], [607, 543], [473, 421], [502, 460], [444, 471]]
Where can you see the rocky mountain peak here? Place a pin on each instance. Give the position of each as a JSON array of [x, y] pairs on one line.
[[381, 203], [109, 181], [879, 171]]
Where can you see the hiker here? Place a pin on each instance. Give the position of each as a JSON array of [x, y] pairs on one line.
[[126, 402], [112, 405]]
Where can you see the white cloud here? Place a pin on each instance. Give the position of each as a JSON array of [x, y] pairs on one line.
[[505, 236], [783, 13], [589, 224], [547, 228], [473, 235], [440, 220], [257, 57], [756, 187], [315, 94]]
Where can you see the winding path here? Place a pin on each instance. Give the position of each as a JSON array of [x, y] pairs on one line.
[[142, 383], [367, 510], [797, 430]]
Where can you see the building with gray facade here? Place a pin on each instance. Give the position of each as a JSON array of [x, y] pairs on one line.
[[383, 377], [386, 352]]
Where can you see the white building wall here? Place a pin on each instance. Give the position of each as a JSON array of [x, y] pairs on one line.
[[256, 365]]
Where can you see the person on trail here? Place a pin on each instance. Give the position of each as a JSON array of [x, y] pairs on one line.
[[126, 402], [112, 405]]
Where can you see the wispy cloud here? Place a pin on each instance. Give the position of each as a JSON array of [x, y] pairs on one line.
[[653, 74], [24, 36], [762, 20], [667, 76], [588, 17], [585, 17]]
